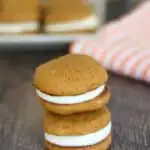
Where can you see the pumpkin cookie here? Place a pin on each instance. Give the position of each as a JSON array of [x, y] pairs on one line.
[[72, 83], [70, 16], [78, 130], [69, 75], [18, 16]]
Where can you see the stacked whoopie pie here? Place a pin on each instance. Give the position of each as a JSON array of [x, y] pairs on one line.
[[74, 93]]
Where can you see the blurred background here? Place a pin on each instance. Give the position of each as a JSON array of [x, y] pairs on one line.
[[107, 10]]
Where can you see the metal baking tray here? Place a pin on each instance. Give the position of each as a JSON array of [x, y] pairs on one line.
[[38, 39]]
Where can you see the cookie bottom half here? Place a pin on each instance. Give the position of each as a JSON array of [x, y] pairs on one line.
[[104, 145], [94, 104], [85, 31]]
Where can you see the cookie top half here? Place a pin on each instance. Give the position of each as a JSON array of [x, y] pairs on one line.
[[71, 74]]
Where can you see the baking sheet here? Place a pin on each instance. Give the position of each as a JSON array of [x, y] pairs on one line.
[[50, 39]]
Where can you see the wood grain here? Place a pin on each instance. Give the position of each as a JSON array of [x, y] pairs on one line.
[[21, 116]]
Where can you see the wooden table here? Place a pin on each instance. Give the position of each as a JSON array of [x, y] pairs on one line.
[[21, 116]]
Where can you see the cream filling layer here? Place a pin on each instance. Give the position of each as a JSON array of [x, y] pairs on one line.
[[18, 27], [87, 23], [80, 140], [71, 99]]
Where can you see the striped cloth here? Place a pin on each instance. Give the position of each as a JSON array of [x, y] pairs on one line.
[[122, 46]]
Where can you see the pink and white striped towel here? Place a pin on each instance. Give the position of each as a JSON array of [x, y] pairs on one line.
[[122, 46]]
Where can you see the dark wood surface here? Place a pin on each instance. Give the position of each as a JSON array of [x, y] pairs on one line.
[[21, 116]]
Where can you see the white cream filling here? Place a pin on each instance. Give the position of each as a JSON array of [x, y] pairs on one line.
[[87, 23], [80, 140], [18, 27], [71, 99]]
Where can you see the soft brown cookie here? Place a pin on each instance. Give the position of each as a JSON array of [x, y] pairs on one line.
[[19, 11], [76, 124], [72, 74], [104, 145], [66, 10], [19, 17], [91, 105], [70, 16]]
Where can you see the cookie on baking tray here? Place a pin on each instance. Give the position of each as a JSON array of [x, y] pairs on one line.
[[18, 17], [65, 17]]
